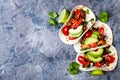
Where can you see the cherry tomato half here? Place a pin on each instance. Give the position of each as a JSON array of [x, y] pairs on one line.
[[101, 30], [65, 30], [109, 58], [81, 60], [97, 64], [92, 45], [88, 34], [77, 13], [75, 25]]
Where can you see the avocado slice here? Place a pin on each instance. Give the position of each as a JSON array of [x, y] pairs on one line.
[[75, 35], [90, 40], [94, 59], [97, 53], [96, 72], [95, 33], [95, 36], [76, 31]]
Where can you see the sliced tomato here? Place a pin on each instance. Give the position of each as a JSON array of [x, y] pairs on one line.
[[75, 25], [101, 30], [77, 13], [88, 34], [92, 45], [65, 30], [109, 58], [97, 64], [71, 38], [81, 60]]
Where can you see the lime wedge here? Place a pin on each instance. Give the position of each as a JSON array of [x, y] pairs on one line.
[[96, 72], [64, 14]]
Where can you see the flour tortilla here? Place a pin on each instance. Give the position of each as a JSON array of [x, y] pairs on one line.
[[89, 16], [104, 68], [107, 32]]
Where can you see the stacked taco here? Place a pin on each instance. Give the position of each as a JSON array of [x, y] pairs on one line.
[[92, 40]]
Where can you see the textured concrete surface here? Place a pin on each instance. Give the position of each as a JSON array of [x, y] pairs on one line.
[[30, 49]]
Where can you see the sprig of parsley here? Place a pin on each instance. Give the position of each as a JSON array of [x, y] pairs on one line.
[[73, 68]]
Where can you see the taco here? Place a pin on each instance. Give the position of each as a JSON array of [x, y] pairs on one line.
[[78, 23], [99, 36], [103, 59]]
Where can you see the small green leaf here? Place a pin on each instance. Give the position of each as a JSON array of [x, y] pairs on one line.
[[73, 72], [52, 22], [73, 68], [87, 12], [70, 68], [75, 65], [103, 16], [85, 23], [52, 15], [92, 19]]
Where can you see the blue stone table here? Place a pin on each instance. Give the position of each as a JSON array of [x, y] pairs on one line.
[[30, 49]]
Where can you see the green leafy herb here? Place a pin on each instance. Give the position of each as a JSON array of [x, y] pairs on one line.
[[52, 22], [85, 23], [103, 16], [92, 19], [73, 68], [87, 11], [52, 15]]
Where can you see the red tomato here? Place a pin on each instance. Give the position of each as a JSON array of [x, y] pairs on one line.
[[75, 25], [101, 30], [65, 30], [81, 60], [71, 38], [88, 34], [97, 64], [92, 45], [77, 14], [109, 58]]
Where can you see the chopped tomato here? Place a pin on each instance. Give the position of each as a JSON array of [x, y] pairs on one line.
[[71, 38], [101, 30], [92, 45], [65, 30], [73, 20], [88, 34], [109, 58], [75, 25], [97, 64], [77, 13], [81, 60]]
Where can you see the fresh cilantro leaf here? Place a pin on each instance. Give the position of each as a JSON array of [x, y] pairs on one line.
[[52, 15], [73, 72], [92, 19], [52, 22], [103, 16], [87, 12], [73, 68], [75, 65], [85, 23]]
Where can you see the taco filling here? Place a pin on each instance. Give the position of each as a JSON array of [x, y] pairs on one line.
[[93, 38], [98, 58], [76, 25]]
